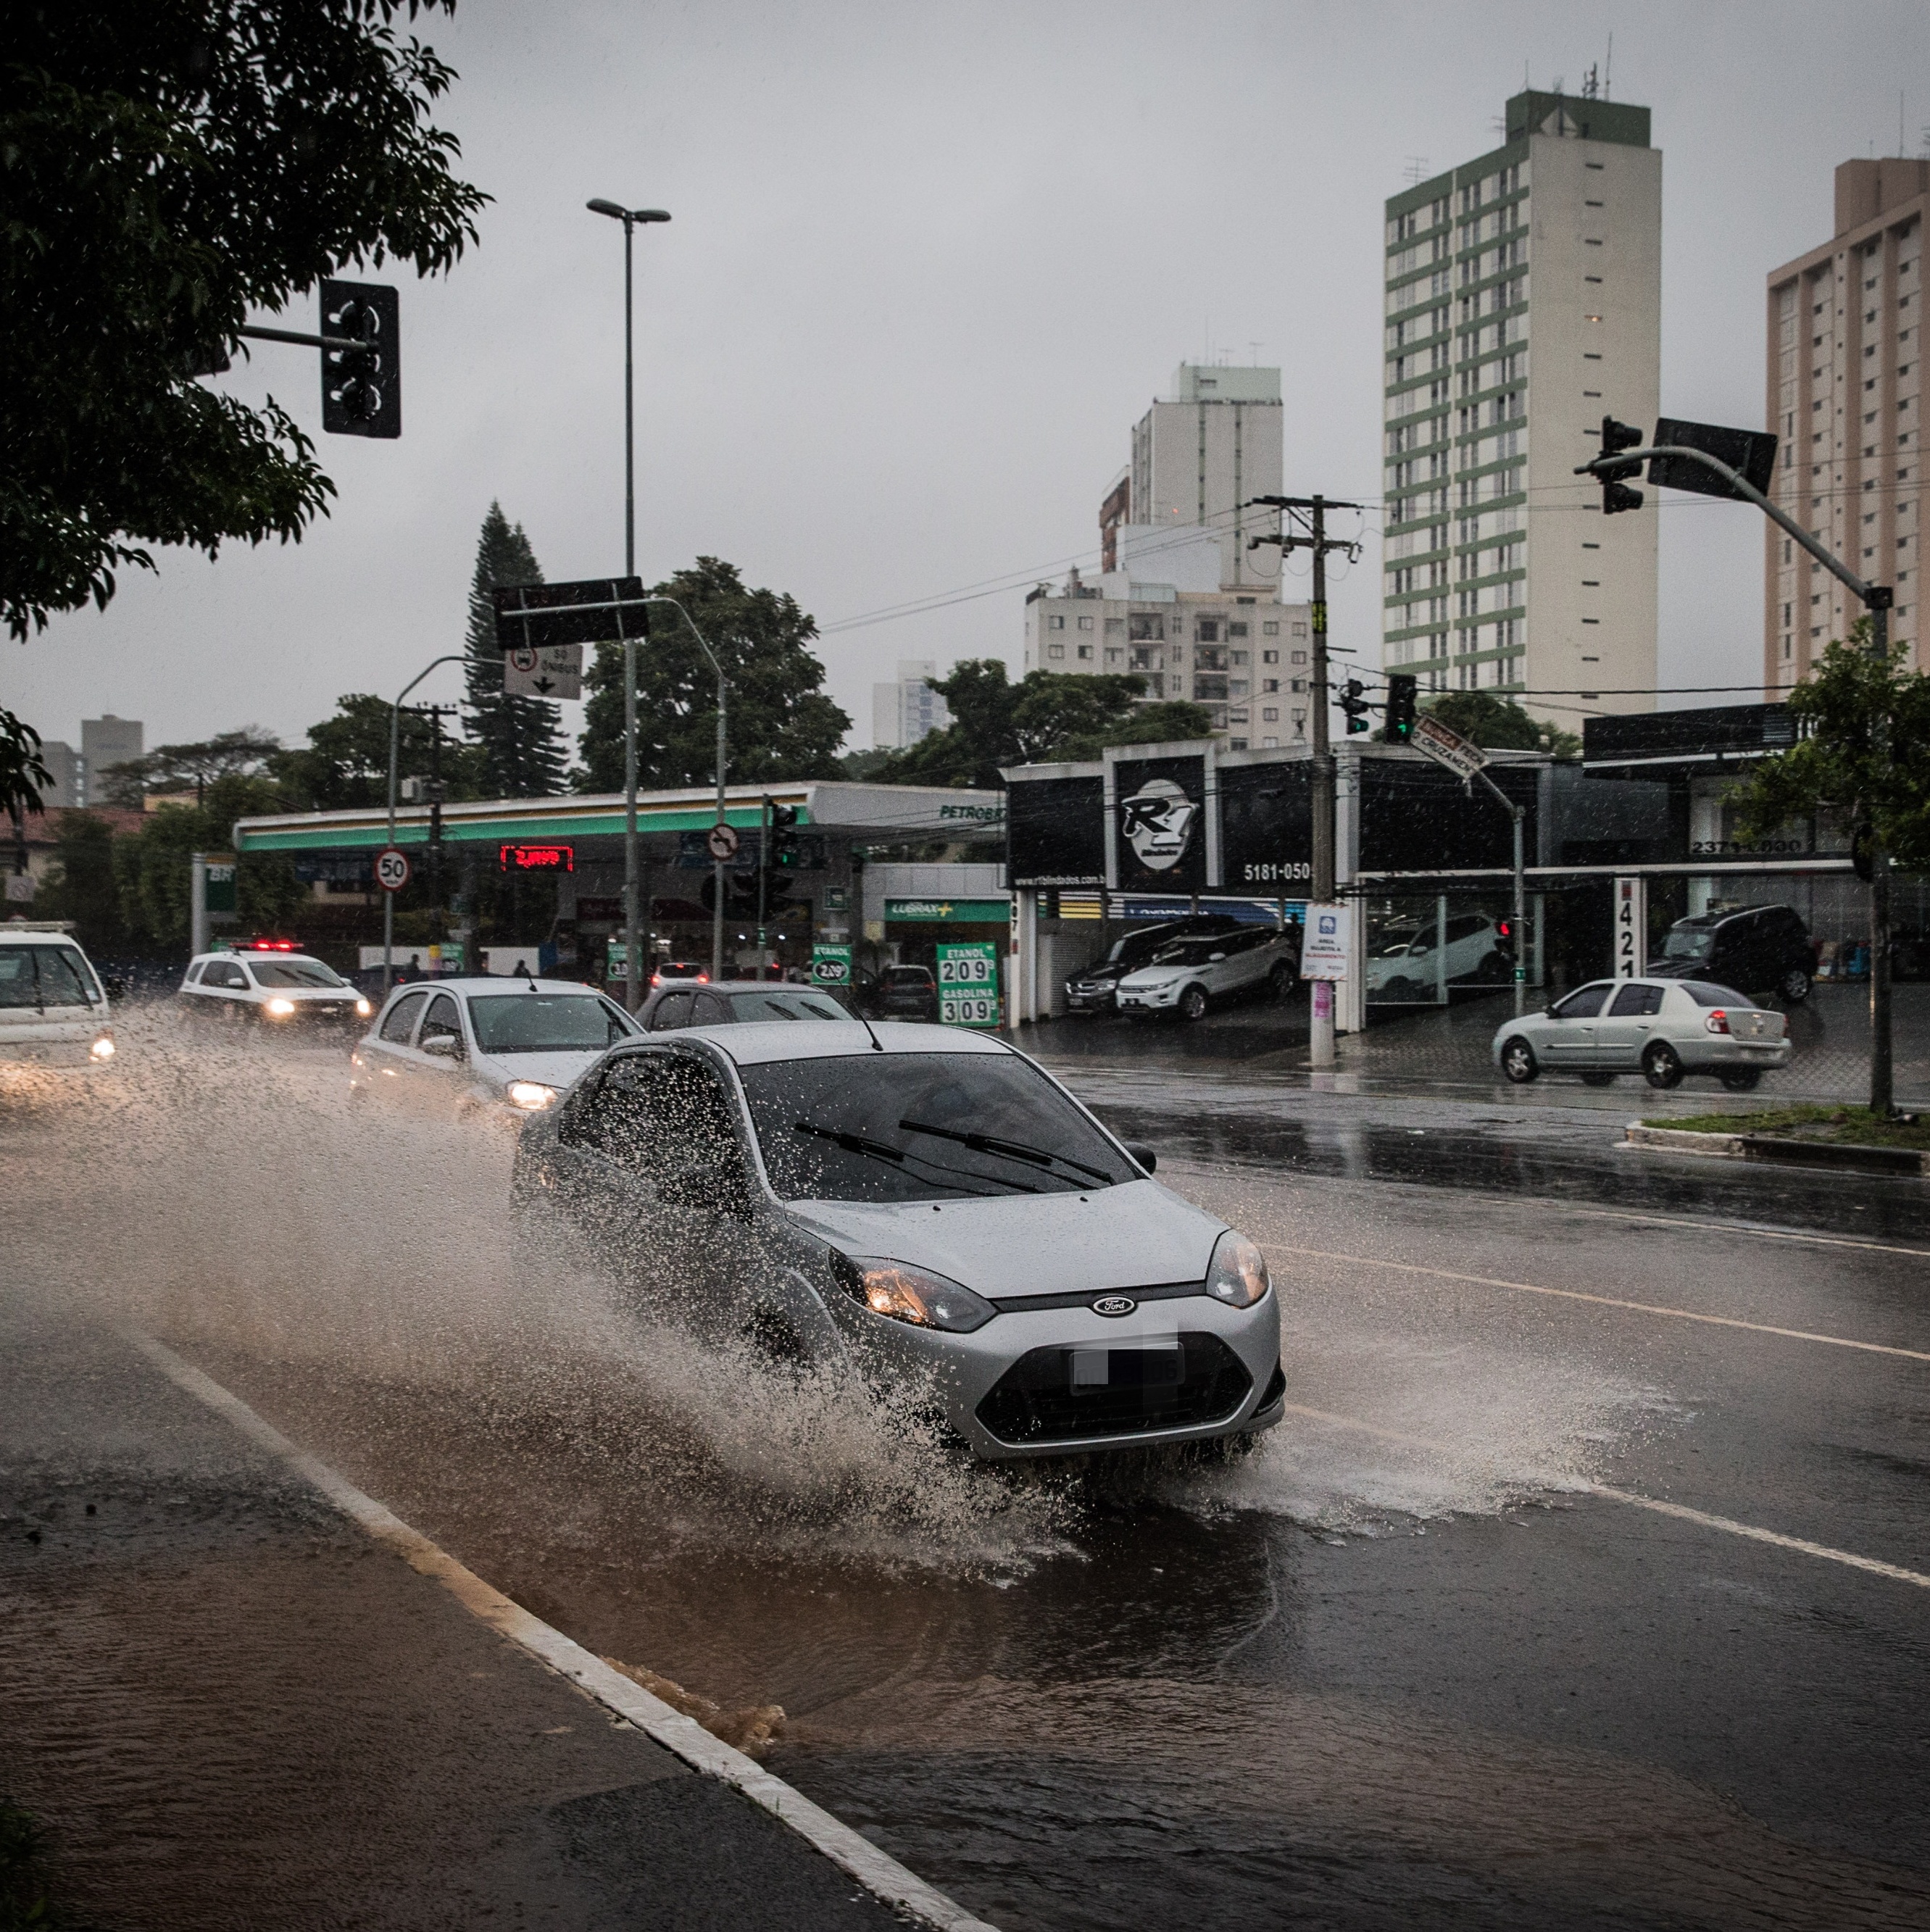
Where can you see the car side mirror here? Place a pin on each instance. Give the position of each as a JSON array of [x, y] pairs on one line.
[[113, 985], [444, 1045], [1142, 1153]]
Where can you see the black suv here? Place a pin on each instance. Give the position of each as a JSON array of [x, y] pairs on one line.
[[1757, 949], [1095, 989]]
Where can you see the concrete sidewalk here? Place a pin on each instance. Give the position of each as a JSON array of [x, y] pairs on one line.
[[230, 1707]]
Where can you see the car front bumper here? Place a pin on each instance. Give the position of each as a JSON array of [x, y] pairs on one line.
[[1149, 999], [1091, 999]]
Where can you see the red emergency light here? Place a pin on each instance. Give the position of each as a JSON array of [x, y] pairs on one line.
[[265, 946], [535, 858]]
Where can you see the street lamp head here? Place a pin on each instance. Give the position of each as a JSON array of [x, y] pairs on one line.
[[649, 215], [618, 213]]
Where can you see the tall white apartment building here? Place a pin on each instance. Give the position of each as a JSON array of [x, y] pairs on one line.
[[1845, 381], [1524, 303], [907, 708]]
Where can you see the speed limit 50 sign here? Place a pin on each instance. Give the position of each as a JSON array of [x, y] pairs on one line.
[[391, 869]]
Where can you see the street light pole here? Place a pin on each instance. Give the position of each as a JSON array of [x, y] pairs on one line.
[[394, 740], [634, 916]]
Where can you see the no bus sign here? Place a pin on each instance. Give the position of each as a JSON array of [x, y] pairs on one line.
[[391, 869]]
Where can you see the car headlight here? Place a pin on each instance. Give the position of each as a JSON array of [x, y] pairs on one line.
[[103, 1048], [531, 1096], [281, 1009], [1238, 1273], [906, 1293], [363, 1008]]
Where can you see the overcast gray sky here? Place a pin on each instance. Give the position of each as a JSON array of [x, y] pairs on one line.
[[928, 266]]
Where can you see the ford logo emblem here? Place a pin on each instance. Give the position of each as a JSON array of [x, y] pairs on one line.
[[1114, 1304]]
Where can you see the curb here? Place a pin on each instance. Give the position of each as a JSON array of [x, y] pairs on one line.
[[684, 1738], [1774, 1148]]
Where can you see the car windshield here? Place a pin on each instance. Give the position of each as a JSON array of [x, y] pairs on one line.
[[545, 1022], [922, 1126], [907, 975], [294, 973], [1707, 993], [777, 1003], [1687, 942], [1188, 951]]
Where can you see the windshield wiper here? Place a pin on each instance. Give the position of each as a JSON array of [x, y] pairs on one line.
[[1010, 1150], [898, 1156]]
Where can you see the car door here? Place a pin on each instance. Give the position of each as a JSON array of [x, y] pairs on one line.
[[1627, 1025], [1567, 1035], [224, 986], [385, 1051], [1247, 961], [671, 1011], [439, 1071]]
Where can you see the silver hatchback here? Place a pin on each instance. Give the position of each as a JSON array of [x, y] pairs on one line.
[[1662, 1029]]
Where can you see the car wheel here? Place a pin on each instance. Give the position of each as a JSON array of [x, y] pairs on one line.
[[1400, 989], [1193, 1003], [1597, 1080], [1742, 1079], [1795, 986], [1661, 1065], [1494, 967], [1518, 1061], [1280, 981]]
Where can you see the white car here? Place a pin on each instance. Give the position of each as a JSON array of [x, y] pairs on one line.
[[1660, 1028], [1413, 968], [270, 981], [514, 1044], [921, 1207], [53, 1009], [1190, 975]]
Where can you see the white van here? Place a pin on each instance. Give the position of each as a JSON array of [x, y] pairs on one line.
[[53, 1010]]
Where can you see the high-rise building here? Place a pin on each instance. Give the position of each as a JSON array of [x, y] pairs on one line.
[[105, 742], [1523, 304], [907, 708], [67, 789], [1845, 385]]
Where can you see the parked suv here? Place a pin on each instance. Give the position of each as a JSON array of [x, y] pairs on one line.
[[1764, 950], [1411, 968], [1190, 975], [1095, 989]]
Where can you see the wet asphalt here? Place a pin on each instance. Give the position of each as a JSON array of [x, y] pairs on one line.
[[1429, 1656]]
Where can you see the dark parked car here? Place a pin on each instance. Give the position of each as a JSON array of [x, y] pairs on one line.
[[671, 1007], [1763, 950], [1095, 989], [906, 993]]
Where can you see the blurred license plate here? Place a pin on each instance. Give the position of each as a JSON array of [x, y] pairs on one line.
[[1127, 1368]]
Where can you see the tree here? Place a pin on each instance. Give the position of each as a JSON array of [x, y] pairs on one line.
[[167, 170], [175, 767], [1864, 750], [151, 869], [79, 883], [345, 763], [1500, 725], [22, 773], [520, 738], [781, 724]]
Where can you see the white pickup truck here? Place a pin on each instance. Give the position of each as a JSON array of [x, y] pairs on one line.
[[53, 1009]]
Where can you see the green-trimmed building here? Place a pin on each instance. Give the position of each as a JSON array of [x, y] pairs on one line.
[[1524, 304]]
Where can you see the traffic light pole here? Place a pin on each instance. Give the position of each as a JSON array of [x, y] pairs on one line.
[[764, 865], [1311, 513], [1877, 599], [394, 746]]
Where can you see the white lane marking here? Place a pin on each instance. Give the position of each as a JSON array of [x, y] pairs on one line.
[[1894, 1572], [1612, 1301], [880, 1874]]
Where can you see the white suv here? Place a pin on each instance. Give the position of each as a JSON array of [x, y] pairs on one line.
[[267, 980], [53, 1010], [1190, 975]]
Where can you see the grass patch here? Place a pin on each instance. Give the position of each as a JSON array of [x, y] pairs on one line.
[[1855, 1126]]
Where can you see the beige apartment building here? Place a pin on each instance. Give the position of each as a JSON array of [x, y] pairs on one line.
[[1524, 304], [1845, 390]]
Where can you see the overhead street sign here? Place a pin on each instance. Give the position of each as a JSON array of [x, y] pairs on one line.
[[722, 841], [1751, 453], [1446, 746], [549, 671], [589, 611], [391, 869]]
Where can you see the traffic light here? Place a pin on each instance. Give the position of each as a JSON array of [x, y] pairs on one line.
[[787, 850], [1401, 687], [1616, 494], [361, 388], [1354, 704]]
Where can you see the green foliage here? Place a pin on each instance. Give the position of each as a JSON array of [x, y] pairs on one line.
[[22, 774], [781, 724], [519, 739], [173, 768], [1045, 716], [345, 763], [168, 168], [1500, 724], [79, 883], [151, 870], [1864, 751]]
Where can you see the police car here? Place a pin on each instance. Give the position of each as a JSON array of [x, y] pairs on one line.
[[270, 983]]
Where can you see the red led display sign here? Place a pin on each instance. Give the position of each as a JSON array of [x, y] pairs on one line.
[[536, 858]]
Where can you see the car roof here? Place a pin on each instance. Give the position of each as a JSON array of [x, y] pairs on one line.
[[51, 931], [495, 983], [757, 1042]]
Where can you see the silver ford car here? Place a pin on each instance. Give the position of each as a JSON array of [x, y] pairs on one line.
[[926, 1206]]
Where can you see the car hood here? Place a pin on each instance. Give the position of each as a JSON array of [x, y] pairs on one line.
[[1107, 969], [1676, 969], [1135, 1235], [1159, 976], [553, 1069]]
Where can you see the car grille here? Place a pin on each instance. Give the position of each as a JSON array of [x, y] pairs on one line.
[[1034, 1401]]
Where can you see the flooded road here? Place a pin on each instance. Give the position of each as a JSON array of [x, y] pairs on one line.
[[1426, 1655]]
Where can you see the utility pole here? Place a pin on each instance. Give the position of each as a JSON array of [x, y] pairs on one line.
[[764, 873], [1303, 526], [435, 714]]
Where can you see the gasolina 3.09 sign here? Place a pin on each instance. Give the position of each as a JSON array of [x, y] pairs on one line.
[[969, 983]]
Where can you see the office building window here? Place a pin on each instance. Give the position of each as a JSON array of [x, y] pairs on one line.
[[1084, 651], [1052, 651], [1052, 623]]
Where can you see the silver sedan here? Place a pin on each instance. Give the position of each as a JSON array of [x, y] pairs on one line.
[[1662, 1029]]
